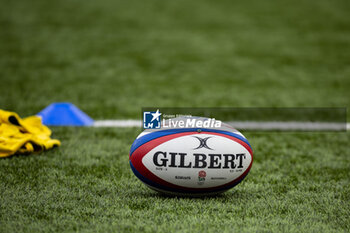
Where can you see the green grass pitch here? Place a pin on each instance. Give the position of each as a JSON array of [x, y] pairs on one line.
[[299, 182], [111, 58]]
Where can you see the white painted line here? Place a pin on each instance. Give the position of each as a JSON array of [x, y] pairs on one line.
[[117, 123], [307, 126], [246, 125]]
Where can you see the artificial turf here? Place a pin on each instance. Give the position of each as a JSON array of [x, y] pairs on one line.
[[111, 58], [299, 183]]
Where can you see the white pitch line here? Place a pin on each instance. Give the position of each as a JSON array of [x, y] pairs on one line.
[[307, 126], [247, 125], [118, 123]]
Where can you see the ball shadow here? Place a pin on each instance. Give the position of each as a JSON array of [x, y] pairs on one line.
[[221, 197]]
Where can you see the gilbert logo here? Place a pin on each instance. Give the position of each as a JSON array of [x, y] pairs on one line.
[[151, 120], [202, 143]]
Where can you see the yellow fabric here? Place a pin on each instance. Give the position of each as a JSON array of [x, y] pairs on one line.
[[23, 136]]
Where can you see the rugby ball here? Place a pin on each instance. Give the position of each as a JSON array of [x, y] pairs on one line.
[[191, 161]]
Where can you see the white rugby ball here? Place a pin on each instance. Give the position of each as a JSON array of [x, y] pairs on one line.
[[191, 161]]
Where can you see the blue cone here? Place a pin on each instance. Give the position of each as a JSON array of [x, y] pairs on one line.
[[64, 114]]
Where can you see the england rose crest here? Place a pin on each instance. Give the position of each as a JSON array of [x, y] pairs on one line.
[[201, 177]]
